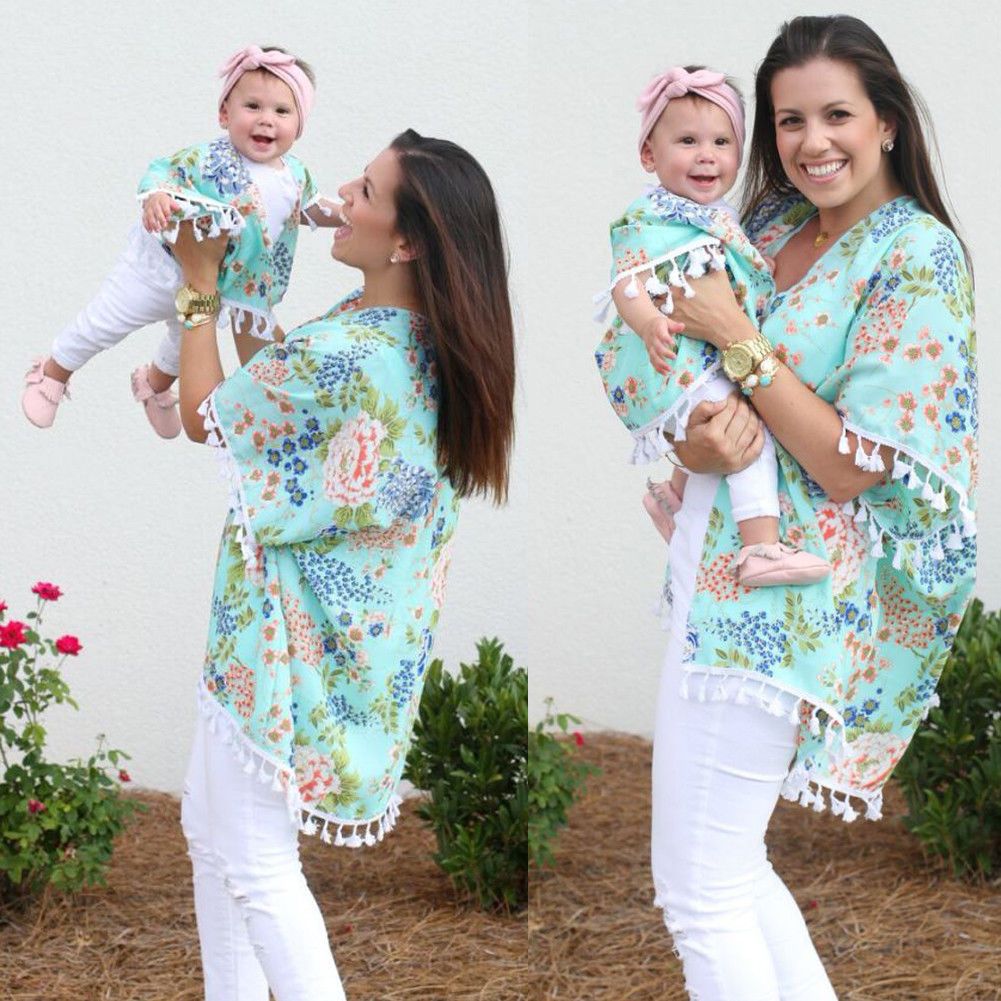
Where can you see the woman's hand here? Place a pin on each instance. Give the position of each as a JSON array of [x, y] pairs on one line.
[[712, 314], [199, 259], [722, 438]]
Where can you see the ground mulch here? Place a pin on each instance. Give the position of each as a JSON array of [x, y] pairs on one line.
[[397, 930], [889, 924]]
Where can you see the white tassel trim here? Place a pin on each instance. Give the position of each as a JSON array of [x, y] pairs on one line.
[[907, 467], [800, 787], [225, 218], [330, 828], [693, 260], [251, 321], [649, 443]]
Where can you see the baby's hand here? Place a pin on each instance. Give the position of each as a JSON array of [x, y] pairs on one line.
[[770, 262], [157, 211], [331, 209], [658, 336]]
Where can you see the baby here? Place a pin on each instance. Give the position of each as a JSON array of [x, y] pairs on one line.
[[691, 137], [244, 183]]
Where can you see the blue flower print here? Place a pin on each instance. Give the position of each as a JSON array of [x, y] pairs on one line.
[[224, 168], [408, 491]]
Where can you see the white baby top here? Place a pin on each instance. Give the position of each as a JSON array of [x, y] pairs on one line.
[[278, 193]]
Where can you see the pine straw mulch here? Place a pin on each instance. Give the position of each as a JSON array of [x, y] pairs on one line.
[[889, 925], [396, 928]]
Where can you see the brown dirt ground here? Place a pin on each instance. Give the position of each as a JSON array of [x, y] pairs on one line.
[[397, 931], [889, 924]]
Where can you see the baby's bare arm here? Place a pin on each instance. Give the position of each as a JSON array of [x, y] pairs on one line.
[[655, 329]]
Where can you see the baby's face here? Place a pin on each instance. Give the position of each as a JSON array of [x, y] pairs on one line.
[[693, 150], [261, 117]]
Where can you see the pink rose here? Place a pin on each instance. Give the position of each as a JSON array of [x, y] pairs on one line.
[[46, 591], [68, 645], [12, 634], [123, 775], [352, 463], [34, 806]]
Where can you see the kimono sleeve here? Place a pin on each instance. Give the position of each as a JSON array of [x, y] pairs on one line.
[[909, 382], [177, 175], [309, 454]]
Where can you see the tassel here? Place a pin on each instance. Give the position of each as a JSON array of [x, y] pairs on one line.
[[877, 550], [213, 724], [369, 836], [937, 552], [716, 253], [927, 494], [719, 695], [742, 698], [837, 805], [860, 457], [262, 773], [325, 835], [698, 260], [339, 837], [632, 289], [819, 805], [848, 507], [849, 813], [309, 828], [862, 515], [684, 686], [675, 277], [354, 841], [875, 463], [667, 306], [702, 690], [794, 714], [874, 808], [815, 723], [969, 523], [918, 557], [276, 780], [939, 502], [775, 708], [248, 768], [898, 556], [955, 539], [655, 286]]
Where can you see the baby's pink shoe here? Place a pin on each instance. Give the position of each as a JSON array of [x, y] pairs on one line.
[[161, 408], [662, 503], [42, 395], [767, 564]]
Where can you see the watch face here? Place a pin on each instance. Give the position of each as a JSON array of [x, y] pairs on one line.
[[737, 362]]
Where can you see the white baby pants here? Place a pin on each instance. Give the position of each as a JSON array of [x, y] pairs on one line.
[[754, 491], [258, 923], [717, 771], [139, 290]]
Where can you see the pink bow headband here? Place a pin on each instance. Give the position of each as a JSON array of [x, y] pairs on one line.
[[253, 57], [677, 82]]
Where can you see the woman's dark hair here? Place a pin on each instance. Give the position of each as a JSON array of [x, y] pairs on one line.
[[852, 42], [446, 211]]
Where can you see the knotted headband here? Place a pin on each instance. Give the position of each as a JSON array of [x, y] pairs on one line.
[[253, 57], [677, 82]]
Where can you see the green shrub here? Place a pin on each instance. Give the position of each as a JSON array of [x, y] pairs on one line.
[[555, 779], [469, 755], [57, 821], [951, 773]]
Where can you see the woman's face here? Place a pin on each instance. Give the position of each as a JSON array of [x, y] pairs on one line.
[[829, 136], [368, 237]]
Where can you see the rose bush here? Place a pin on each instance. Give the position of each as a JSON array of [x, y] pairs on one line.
[[57, 821]]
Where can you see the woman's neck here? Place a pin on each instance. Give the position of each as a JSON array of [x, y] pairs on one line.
[[840, 218], [393, 285]]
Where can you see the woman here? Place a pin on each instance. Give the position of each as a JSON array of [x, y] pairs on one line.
[[874, 405], [348, 447]]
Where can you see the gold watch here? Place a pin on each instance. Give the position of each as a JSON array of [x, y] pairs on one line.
[[741, 358], [194, 307]]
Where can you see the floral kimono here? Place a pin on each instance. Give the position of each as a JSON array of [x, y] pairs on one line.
[[663, 240], [881, 327], [211, 181], [332, 565]]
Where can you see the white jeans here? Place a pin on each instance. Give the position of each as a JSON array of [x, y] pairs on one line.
[[258, 923], [754, 491], [717, 771], [139, 290]]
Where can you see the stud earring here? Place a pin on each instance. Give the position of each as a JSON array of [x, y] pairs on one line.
[[394, 258], [886, 145]]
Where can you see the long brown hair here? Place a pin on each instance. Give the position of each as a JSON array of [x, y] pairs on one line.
[[446, 210], [852, 42]]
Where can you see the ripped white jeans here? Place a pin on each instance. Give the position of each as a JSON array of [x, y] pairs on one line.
[[258, 923], [717, 771]]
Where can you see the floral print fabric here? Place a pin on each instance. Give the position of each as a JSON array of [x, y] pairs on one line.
[[663, 241], [212, 180], [882, 328], [332, 566]]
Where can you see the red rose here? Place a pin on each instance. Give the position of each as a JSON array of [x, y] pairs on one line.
[[46, 591], [123, 775], [578, 738], [68, 644], [12, 634], [34, 806]]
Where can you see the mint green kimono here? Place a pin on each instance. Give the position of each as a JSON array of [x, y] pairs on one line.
[[881, 327], [331, 571], [212, 181], [663, 240]]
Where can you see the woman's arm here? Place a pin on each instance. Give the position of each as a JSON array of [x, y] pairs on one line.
[[201, 368], [807, 426]]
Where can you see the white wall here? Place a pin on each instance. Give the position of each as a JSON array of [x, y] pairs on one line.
[[542, 93]]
